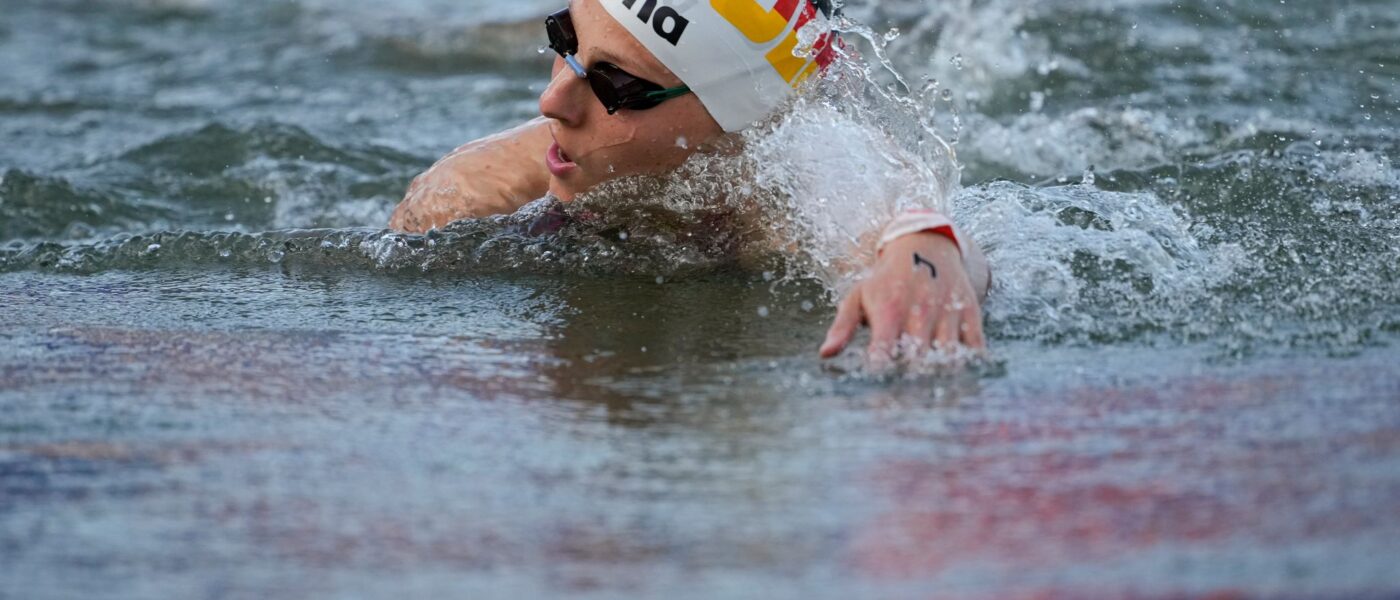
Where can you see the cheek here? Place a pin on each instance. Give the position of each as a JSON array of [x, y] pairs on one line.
[[649, 149], [625, 147], [648, 142]]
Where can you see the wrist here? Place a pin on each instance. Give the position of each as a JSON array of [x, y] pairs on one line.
[[920, 222], [930, 243]]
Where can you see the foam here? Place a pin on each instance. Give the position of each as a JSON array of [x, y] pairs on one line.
[[1042, 145]]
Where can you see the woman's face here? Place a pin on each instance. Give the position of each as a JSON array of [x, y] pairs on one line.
[[592, 146]]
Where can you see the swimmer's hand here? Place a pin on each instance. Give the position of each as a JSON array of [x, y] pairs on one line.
[[918, 288]]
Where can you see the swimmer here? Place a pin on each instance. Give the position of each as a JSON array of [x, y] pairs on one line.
[[632, 77]]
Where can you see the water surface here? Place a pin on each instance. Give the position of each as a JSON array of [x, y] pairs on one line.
[[219, 378]]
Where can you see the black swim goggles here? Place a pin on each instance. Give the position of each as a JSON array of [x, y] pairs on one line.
[[615, 88]]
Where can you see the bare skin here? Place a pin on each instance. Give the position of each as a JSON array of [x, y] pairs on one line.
[[920, 289], [490, 176], [920, 286]]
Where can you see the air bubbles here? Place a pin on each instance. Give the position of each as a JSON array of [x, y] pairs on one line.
[[763, 312]]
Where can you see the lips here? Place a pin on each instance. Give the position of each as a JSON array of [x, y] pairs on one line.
[[558, 161]]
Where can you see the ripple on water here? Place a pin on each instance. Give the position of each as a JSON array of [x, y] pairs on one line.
[[36, 207], [608, 242], [200, 391]]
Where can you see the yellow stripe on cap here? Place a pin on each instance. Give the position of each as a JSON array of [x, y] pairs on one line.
[[736, 55]]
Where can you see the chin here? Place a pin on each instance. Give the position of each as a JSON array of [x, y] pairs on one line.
[[561, 191]]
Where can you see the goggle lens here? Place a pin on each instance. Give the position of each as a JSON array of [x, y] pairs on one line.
[[615, 88], [618, 89]]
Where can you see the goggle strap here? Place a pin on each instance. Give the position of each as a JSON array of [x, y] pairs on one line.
[[667, 94]]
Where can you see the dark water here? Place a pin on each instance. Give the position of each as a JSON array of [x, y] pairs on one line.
[[219, 378]]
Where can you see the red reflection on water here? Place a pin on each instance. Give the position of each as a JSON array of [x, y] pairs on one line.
[[1069, 487]]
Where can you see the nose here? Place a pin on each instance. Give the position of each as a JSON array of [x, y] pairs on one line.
[[562, 100]]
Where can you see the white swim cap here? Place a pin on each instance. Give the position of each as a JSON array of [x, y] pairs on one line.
[[736, 55]]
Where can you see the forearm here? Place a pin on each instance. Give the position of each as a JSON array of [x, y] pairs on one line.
[[489, 176]]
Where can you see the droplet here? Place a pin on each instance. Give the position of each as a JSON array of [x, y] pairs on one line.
[[763, 312], [807, 306]]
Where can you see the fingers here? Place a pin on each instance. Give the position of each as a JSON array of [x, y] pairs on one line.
[[958, 323], [972, 335], [920, 324], [885, 326], [945, 336], [848, 316]]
